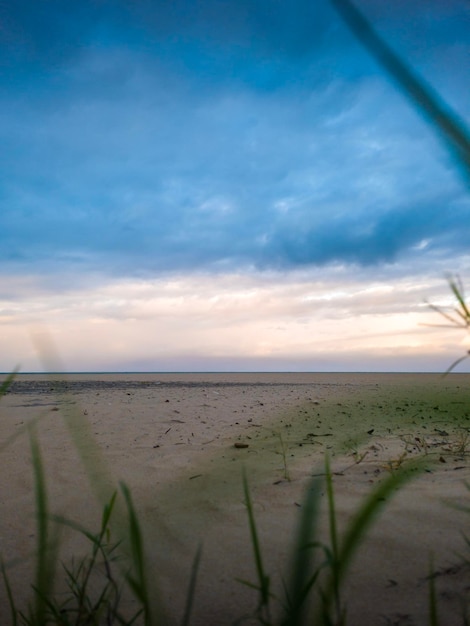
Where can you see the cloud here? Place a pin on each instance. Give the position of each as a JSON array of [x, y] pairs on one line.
[[150, 138], [236, 180], [299, 321]]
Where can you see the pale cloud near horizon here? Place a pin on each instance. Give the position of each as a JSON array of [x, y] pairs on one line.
[[235, 321]]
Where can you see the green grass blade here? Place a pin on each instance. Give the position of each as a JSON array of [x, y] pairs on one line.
[[79, 579], [8, 381], [11, 599], [192, 588], [45, 550], [263, 578], [360, 524], [107, 512], [60, 519], [371, 507], [455, 363], [21, 430], [331, 510], [301, 578], [334, 557], [137, 548], [138, 579], [453, 130], [457, 290], [99, 476], [433, 617]]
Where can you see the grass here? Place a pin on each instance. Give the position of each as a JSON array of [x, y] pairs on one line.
[[458, 316], [46, 557], [446, 123], [80, 577], [93, 593], [283, 453], [353, 449], [263, 609], [313, 590], [462, 444]]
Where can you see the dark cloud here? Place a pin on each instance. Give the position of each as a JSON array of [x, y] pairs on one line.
[[373, 238], [48, 34], [263, 43], [148, 136]]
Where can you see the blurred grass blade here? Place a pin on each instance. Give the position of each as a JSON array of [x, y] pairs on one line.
[[457, 289], [303, 573], [79, 579], [454, 132], [359, 526], [99, 476], [11, 599], [334, 541], [137, 550], [41, 578], [453, 321], [7, 382], [263, 579], [192, 588], [433, 617], [463, 315], [45, 548], [138, 579], [21, 430], [369, 510], [455, 363]]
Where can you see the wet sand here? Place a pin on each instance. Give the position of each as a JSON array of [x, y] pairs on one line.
[[181, 441]]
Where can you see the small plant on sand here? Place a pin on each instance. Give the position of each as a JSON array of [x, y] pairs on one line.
[[96, 583], [392, 465], [353, 449], [415, 444], [313, 586], [283, 453], [93, 593], [461, 444], [96, 571]]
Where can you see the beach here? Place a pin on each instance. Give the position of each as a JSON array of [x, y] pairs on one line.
[[181, 443]]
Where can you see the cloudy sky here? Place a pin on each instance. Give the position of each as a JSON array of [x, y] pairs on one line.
[[227, 185]]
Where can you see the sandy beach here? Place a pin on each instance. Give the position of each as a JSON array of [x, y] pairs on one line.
[[181, 442]]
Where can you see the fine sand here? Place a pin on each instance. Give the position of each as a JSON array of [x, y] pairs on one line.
[[181, 441]]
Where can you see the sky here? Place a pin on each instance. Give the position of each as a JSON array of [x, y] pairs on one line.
[[220, 185]]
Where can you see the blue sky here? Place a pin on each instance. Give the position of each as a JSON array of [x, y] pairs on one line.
[[227, 185]]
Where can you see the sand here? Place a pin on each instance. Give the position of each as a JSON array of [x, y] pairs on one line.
[[181, 442]]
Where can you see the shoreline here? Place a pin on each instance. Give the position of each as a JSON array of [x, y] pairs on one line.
[[25, 382]]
